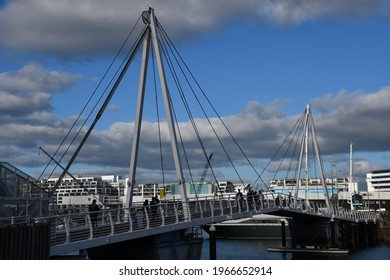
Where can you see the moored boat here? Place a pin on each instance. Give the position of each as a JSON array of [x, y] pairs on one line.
[[259, 226]]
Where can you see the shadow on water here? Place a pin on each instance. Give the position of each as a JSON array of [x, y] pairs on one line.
[[233, 249]]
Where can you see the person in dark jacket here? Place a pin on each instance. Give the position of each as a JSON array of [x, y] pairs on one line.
[[94, 212]]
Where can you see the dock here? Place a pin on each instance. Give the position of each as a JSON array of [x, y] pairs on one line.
[[332, 251]]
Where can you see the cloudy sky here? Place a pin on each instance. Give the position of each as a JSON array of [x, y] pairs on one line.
[[260, 62]]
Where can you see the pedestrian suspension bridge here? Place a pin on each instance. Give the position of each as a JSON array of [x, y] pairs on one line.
[[72, 232]]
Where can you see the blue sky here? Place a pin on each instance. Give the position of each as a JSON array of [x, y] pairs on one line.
[[259, 62]]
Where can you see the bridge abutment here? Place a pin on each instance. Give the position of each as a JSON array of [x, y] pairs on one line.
[[25, 241]]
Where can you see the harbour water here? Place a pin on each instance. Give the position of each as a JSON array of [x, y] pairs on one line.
[[233, 249]]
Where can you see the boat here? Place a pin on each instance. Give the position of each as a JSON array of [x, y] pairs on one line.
[[261, 226]]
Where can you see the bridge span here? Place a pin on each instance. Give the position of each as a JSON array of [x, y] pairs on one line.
[[310, 223], [75, 232], [72, 232]]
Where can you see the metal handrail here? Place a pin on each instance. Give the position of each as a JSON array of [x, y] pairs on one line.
[[72, 227]]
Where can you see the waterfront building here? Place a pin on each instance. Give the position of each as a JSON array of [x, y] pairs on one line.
[[378, 180], [377, 195], [339, 189], [79, 192], [111, 190]]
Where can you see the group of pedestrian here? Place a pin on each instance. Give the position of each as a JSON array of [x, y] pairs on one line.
[[252, 196], [150, 210]]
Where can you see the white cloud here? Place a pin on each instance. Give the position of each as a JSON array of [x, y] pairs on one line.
[[285, 12], [259, 137], [30, 89], [33, 77], [91, 27]]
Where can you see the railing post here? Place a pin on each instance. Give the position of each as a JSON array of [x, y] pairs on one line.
[[67, 228], [230, 206], [239, 205], [162, 213], [89, 223], [201, 209], [221, 205], [111, 222], [212, 207], [254, 203], [129, 218], [147, 219], [176, 213]]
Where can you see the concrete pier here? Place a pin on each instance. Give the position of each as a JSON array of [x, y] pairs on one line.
[[26, 241]]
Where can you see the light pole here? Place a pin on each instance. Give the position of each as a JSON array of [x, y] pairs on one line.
[[331, 174]]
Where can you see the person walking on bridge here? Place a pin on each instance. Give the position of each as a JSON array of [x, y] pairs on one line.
[[93, 213]]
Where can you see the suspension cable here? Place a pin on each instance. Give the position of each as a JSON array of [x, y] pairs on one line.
[[158, 118], [294, 129], [186, 103], [181, 93], [86, 105], [291, 136], [190, 115]]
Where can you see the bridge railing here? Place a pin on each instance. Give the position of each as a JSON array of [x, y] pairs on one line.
[[15, 220], [71, 227], [319, 208]]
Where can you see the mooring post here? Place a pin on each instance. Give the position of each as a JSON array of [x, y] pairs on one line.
[[212, 243], [356, 234], [332, 233], [283, 234]]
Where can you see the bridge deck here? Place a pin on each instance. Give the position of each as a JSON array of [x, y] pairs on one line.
[[74, 232]]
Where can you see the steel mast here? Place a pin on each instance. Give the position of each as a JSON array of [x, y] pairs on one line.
[[304, 147], [152, 39]]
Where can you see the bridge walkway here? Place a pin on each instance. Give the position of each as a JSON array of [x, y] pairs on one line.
[[75, 231]]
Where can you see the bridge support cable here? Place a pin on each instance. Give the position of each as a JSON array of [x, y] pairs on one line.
[[203, 176], [300, 159], [158, 123], [167, 49], [287, 141], [319, 162], [102, 108], [168, 111], [152, 40], [74, 178], [138, 120], [180, 61], [302, 147], [309, 127], [133, 49]]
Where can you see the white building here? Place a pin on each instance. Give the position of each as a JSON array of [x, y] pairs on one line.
[[378, 180], [378, 190], [80, 192]]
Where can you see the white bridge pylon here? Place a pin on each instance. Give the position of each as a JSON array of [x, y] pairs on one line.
[[150, 39], [309, 127]]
